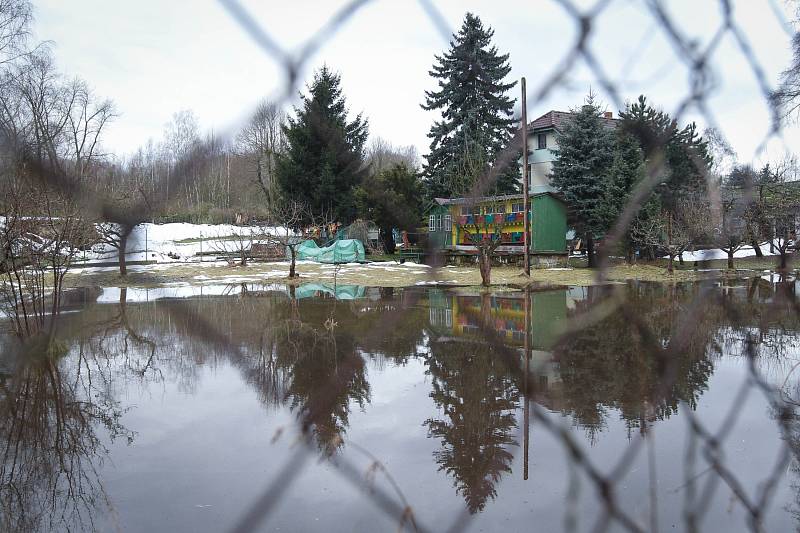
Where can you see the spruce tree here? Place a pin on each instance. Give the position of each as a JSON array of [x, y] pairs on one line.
[[477, 121], [688, 163], [324, 161], [583, 161], [685, 154], [627, 170], [392, 198]]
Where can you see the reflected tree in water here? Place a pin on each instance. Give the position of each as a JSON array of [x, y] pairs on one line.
[[49, 416], [477, 396], [610, 365], [326, 372]]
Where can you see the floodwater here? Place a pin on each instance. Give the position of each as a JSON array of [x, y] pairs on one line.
[[365, 409]]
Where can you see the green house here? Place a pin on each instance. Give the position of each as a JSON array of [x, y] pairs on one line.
[[440, 226], [454, 223]]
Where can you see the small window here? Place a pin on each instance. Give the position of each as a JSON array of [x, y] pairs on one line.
[[448, 223], [432, 223], [541, 141], [518, 207]]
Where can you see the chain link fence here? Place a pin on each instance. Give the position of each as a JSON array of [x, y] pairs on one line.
[[705, 467]]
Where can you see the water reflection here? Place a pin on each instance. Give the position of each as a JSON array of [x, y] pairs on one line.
[[326, 375], [477, 396], [311, 350], [51, 411], [610, 364]]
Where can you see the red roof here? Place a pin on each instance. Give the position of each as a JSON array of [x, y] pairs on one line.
[[554, 119]]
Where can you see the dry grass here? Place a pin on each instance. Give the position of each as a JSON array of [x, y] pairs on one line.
[[387, 274]]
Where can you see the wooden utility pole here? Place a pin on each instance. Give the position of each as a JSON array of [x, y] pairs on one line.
[[525, 179], [526, 392]]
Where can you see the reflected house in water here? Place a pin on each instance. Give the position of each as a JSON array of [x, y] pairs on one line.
[[462, 316], [479, 391]]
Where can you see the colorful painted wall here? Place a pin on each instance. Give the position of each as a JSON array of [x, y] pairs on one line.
[[457, 224]]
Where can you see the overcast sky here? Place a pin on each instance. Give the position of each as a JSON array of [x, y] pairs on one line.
[[155, 57]]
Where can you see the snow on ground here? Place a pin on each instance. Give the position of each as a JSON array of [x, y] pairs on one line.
[[716, 253], [132, 294], [162, 242]]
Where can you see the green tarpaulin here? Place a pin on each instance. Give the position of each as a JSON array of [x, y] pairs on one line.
[[340, 292], [341, 251]]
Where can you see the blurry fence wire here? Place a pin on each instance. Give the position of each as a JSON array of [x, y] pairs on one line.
[[706, 442]]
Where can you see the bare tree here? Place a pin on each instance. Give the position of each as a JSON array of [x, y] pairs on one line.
[[181, 141], [675, 233], [381, 154], [181, 134], [261, 141], [285, 228], [39, 237], [724, 156], [45, 105], [730, 227], [15, 20], [786, 98], [238, 244], [87, 118], [485, 234]]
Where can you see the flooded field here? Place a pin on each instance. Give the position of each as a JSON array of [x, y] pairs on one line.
[[246, 407]]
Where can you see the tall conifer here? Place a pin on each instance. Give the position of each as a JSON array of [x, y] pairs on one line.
[[324, 161], [476, 121], [583, 161]]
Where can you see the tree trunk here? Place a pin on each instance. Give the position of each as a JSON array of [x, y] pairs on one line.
[[751, 290], [784, 261], [757, 248], [671, 267], [123, 245], [730, 259], [485, 265], [680, 258], [293, 254], [590, 251], [388, 240]]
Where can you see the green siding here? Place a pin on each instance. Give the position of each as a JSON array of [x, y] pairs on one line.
[[439, 238], [548, 318], [549, 226]]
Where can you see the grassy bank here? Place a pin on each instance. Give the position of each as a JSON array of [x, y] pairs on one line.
[[393, 274]]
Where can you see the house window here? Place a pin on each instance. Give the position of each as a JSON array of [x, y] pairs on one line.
[[518, 207], [439, 222], [541, 141], [448, 223], [441, 317], [432, 223]]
